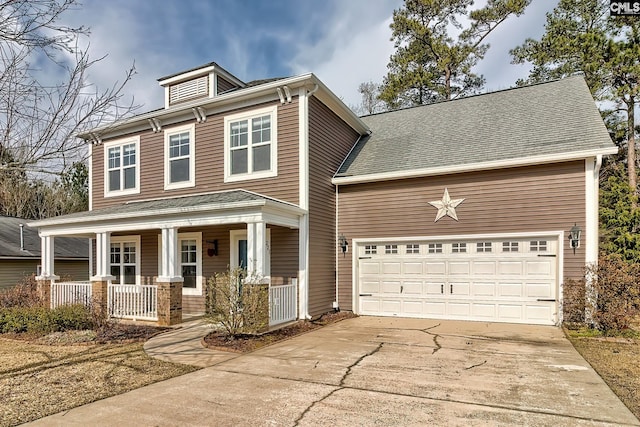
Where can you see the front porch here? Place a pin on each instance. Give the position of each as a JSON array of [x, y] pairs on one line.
[[154, 266]]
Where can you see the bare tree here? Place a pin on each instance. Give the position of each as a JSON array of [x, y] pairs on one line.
[[370, 102], [43, 108]]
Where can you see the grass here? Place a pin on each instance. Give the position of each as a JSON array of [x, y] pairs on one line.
[[39, 379], [616, 358]]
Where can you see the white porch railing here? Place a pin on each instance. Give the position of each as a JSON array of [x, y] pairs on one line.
[[283, 303], [66, 293], [137, 302]]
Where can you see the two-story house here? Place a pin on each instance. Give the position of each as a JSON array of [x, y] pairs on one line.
[[453, 210]]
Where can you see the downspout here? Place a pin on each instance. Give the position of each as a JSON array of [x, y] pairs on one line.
[[21, 236], [592, 247]]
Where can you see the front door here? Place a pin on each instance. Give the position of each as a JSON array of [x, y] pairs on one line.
[[239, 250]]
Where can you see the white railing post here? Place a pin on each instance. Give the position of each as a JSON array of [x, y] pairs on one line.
[[137, 302]]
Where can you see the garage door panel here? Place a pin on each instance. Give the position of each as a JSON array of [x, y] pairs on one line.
[[412, 267], [369, 267], [483, 289], [510, 290], [391, 287], [539, 290], [412, 288], [509, 268], [435, 268], [505, 280], [391, 267], [459, 267], [483, 268]]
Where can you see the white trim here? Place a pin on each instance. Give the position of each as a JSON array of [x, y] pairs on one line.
[[187, 76], [121, 143], [191, 129], [449, 238], [472, 167], [126, 239], [90, 171], [303, 200], [592, 177], [272, 111]]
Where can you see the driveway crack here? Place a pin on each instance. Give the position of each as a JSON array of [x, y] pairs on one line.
[[475, 366], [360, 359], [435, 338], [314, 403]]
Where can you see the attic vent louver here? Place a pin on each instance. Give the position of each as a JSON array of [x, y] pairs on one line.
[[196, 88]]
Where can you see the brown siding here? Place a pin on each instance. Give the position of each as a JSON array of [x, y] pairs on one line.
[[12, 271], [284, 255], [224, 85], [330, 140], [527, 199], [209, 162]]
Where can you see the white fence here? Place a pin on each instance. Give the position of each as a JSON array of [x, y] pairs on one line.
[[66, 293], [137, 302], [283, 303]]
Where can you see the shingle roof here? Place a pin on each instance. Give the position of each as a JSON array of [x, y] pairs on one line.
[[544, 119], [221, 199], [64, 247]]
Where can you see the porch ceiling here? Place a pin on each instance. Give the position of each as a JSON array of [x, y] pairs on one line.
[[223, 207]]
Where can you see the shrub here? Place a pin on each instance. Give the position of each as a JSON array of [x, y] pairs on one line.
[[573, 306], [617, 290], [39, 320], [23, 294], [240, 305]]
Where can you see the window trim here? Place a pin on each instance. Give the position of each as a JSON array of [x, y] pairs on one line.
[[191, 128], [248, 115], [121, 143], [128, 239]]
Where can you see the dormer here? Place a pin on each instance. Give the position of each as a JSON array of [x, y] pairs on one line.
[[206, 81]]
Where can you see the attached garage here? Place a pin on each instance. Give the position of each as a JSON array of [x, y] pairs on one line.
[[500, 279]]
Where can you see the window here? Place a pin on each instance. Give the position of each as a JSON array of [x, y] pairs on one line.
[[188, 262], [509, 246], [413, 249], [434, 248], [124, 260], [483, 247], [459, 248], [250, 145], [538, 246], [122, 171], [390, 249], [370, 249], [179, 157]]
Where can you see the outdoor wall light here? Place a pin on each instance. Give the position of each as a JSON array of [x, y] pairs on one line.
[[212, 249], [344, 245], [574, 237]]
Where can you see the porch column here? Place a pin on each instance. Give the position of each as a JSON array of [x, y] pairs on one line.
[[100, 282], [47, 276], [257, 250], [170, 280]]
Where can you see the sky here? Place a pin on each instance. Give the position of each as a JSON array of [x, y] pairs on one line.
[[343, 42]]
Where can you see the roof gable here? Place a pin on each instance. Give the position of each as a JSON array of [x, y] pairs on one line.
[[548, 119]]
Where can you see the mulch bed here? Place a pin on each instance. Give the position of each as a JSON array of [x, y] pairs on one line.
[[220, 340]]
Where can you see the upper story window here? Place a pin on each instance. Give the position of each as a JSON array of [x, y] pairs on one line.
[[250, 146], [122, 167], [179, 157]]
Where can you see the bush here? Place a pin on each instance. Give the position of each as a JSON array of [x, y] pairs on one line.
[[573, 306], [241, 306], [38, 320], [23, 294]]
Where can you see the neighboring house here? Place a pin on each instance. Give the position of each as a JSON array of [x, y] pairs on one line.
[[280, 177], [20, 253]]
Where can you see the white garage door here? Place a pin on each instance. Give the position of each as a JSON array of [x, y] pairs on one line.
[[498, 280]]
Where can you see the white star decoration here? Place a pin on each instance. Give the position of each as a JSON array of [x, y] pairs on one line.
[[446, 206]]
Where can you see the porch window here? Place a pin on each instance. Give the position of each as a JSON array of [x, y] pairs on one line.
[[179, 157], [250, 145], [122, 170], [188, 262], [124, 261]]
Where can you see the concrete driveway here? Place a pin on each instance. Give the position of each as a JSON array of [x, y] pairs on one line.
[[380, 371]]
